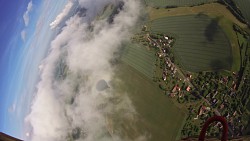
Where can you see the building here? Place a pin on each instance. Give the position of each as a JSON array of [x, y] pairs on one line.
[[188, 88]]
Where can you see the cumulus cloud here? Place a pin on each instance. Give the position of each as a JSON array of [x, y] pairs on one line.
[[26, 17], [62, 15], [67, 105], [23, 35]]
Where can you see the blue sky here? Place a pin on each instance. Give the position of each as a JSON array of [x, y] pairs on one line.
[[20, 56], [10, 22]]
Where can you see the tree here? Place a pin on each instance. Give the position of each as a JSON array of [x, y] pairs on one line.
[[162, 87]]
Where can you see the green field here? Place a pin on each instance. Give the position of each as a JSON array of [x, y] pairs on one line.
[[106, 12], [176, 3], [158, 116], [243, 5], [201, 44], [243, 43], [140, 59]]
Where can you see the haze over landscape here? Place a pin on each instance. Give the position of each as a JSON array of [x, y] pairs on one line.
[[74, 102], [85, 46]]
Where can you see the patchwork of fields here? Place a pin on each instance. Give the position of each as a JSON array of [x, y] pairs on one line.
[[201, 45], [169, 3], [244, 8], [140, 59]]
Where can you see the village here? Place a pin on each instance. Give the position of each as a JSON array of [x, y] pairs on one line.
[[204, 93]]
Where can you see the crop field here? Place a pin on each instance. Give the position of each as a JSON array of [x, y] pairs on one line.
[[159, 117], [176, 3], [201, 44], [140, 58], [244, 8], [213, 10]]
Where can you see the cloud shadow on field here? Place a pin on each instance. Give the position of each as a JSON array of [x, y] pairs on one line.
[[201, 15], [212, 29], [221, 64]]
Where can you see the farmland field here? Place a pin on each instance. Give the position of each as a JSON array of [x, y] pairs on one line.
[[213, 10], [176, 3], [244, 8], [157, 113], [201, 44], [139, 58]]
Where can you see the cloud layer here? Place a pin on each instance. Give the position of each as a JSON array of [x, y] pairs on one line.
[[26, 17], [23, 35], [67, 105], [62, 15]]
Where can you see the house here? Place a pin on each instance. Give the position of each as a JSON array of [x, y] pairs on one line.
[[225, 79], [170, 41], [235, 112], [172, 68], [222, 106], [175, 88], [234, 86], [196, 117], [163, 50], [214, 101], [181, 95], [174, 71], [188, 88], [166, 37], [164, 77], [160, 54], [172, 95], [200, 111], [189, 76]]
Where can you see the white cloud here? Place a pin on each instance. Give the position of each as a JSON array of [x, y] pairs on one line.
[[72, 105], [12, 108], [23, 35], [62, 15], [26, 15]]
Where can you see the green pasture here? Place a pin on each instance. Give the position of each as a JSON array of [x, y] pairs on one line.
[[140, 58], [108, 9], [159, 118], [176, 3], [243, 43], [243, 5], [201, 44]]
